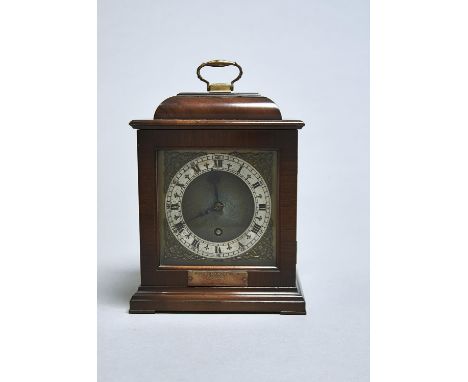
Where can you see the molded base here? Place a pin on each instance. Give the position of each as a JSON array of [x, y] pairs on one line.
[[283, 300]]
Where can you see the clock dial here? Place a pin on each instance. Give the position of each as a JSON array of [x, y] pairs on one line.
[[218, 206]]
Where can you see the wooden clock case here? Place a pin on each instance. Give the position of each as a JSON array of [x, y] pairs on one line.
[[218, 121]]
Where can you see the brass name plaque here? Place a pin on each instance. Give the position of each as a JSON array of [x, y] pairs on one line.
[[217, 278]]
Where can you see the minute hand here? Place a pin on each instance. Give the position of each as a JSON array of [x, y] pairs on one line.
[[214, 179], [216, 191]]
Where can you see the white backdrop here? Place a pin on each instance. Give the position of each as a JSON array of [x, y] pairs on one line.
[[312, 59]]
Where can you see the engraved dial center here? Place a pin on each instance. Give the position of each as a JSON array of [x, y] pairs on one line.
[[218, 199]]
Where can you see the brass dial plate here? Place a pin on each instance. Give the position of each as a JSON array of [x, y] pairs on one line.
[[230, 225]]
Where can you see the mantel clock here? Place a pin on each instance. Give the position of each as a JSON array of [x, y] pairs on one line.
[[217, 174]]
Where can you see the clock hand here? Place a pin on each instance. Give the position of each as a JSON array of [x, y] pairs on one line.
[[214, 179], [218, 207], [216, 191], [203, 213]]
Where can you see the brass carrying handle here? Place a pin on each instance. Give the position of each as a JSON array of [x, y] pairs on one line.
[[219, 87]]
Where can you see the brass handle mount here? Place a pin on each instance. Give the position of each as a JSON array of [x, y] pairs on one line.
[[219, 87]]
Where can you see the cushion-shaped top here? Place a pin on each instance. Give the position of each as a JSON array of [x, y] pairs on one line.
[[218, 106]]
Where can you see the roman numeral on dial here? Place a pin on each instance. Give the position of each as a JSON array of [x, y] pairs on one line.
[[179, 227], [195, 243], [256, 184], [175, 206], [256, 228], [218, 163], [262, 207], [195, 168]]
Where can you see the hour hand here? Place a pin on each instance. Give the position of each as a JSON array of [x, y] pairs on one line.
[[203, 213]]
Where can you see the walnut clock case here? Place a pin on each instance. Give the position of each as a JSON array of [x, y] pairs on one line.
[[217, 179]]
